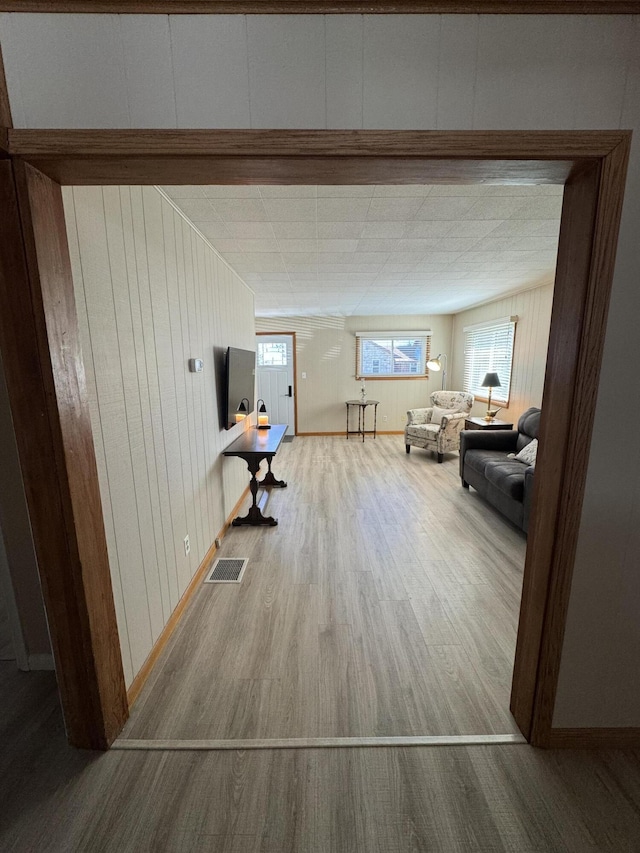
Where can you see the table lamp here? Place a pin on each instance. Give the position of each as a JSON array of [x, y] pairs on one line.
[[243, 410], [491, 381], [263, 417]]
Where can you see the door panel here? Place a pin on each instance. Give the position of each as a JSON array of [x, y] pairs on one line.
[[275, 378]]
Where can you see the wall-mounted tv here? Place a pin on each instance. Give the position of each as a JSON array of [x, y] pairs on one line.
[[240, 382]]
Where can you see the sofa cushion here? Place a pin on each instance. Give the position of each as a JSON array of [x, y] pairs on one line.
[[423, 431], [479, 459], [507, 475], [528, 426]]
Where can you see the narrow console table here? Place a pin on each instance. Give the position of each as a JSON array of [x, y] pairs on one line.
[[362, 408], [253, 446]]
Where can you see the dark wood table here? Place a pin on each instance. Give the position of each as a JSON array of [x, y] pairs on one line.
[[253, 446], [361, 405], [480, 423]]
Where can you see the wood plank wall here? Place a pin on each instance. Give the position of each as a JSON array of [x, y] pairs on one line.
[[151, 293], [533, 307]]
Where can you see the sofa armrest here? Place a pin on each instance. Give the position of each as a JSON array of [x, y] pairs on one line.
[[419, 416]]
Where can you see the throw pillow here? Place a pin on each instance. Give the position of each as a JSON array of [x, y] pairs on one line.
[[528, 453], [437, 414]]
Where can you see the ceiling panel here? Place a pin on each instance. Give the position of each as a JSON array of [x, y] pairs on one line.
[[379, 249]]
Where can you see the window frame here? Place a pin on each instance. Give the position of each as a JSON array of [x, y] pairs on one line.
[[497, 396], [392, 336]]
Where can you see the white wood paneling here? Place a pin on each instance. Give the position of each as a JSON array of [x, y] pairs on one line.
[[344, 36], [400, 71], [533, 308], [209, 57], [148, 68], [326, 352], [287, 70], [151, 293], [457, 68]]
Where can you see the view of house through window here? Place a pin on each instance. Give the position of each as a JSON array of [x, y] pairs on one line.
[[488, 347], [272, 354], [392, 354]]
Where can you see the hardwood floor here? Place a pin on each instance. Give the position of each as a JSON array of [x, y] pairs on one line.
[[385, 603], [495, 799]]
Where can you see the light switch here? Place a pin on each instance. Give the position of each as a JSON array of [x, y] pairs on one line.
[[304, 375], [196, 365]]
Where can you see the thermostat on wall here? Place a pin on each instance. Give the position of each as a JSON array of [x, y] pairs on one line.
[[196, 365]]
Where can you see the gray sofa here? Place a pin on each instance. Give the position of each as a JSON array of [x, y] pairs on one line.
[[484, 464]]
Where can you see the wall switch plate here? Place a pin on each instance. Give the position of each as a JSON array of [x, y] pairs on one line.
[[196, 365], [304, 375], [187, 546]]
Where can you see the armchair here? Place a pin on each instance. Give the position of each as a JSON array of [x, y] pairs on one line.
[[443, 435]]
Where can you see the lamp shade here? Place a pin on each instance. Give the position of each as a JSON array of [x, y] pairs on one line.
[[434, 364], [491, 380]]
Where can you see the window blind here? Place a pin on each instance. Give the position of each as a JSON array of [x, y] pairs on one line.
[[488, 347]]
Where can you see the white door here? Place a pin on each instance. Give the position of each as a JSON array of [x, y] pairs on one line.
[[275, 378]]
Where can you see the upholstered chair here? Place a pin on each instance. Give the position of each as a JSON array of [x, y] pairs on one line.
[[438, 427]]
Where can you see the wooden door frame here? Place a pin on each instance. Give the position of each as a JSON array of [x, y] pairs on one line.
[[591, 164], [295, 375]]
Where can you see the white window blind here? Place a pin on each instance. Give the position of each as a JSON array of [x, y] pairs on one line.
[[488, 347], [392, 355]]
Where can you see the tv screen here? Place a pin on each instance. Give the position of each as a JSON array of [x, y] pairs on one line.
[[240, 383]]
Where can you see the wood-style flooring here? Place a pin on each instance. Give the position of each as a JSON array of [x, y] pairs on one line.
[[385, 603], [494, 799]]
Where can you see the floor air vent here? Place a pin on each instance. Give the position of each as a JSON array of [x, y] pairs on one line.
[[227, 570]]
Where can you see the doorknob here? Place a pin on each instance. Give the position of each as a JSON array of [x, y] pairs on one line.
[[290, 394]]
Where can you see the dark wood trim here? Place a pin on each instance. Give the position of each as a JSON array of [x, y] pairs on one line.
[[5, 107], [627, 737], [45, 378], [328, 7], [593, 219], [593, 166], [295, 374]]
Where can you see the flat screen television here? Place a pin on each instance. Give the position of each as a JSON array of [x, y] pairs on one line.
[[240, 382]]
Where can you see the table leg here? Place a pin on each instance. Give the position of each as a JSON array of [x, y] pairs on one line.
[[254, 516], [347, 422], [270, 480], [375, 419]]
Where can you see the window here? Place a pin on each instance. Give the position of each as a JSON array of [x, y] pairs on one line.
[[272, 354], [392, 355], [489, 347]]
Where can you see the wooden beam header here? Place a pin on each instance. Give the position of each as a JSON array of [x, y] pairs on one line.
[[328, 7]]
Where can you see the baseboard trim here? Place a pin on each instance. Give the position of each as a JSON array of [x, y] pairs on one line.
[[145, 671], [315, 742], [627, 737], [354, 436]]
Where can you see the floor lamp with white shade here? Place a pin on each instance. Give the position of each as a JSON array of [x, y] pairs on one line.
[[439, 363]]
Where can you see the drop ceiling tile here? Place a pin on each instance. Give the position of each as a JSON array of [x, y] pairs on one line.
[[361, 268], [473, 228], [198, 210], [230, 192], [212, 229], [340, 230], [239, 210], [346, 191], [258, 245], [290, 210], [298, 245], [256, 262], [294, 230], [392, 209], [342, 209], [497, 207], [272, 276], [383, 230], [377, 245], [177, 192], [446, 208], [525, 228], [250, 230], [403, 191], [225, 245], [339, 246], [539, 208], [301, 191], [430, 229]]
